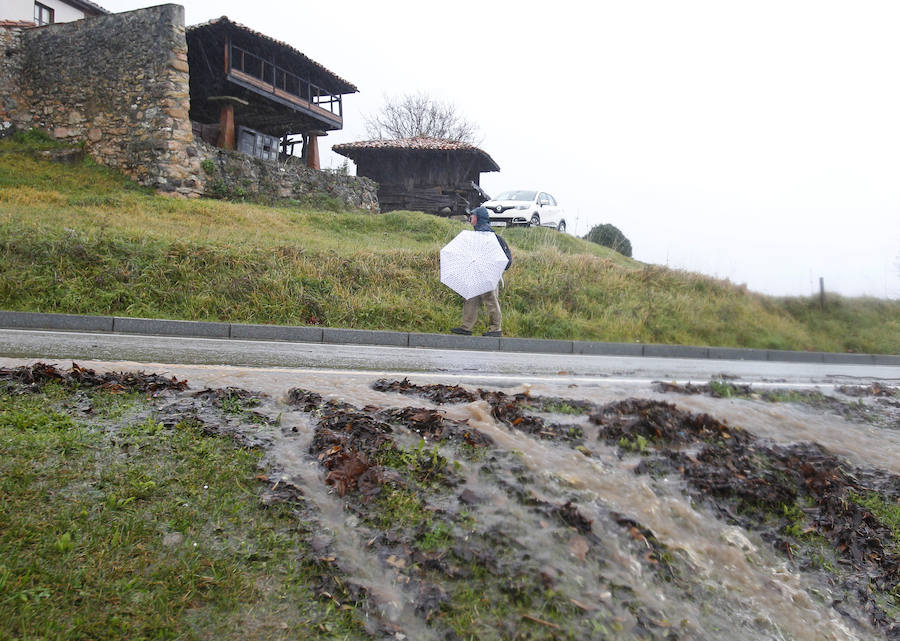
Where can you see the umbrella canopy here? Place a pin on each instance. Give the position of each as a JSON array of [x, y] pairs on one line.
[[472, 263]]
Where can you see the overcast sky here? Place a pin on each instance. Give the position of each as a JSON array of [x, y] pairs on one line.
[[754, 141]]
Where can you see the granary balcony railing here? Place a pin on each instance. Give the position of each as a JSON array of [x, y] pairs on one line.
[[281, 83]]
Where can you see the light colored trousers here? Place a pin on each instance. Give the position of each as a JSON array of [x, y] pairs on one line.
[[472, 306]]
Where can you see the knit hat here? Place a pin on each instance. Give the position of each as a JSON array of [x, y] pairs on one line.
[[483, 218]]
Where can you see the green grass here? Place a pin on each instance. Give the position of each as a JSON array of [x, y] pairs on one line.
[[887, 512], [82, 239], [144, 533]]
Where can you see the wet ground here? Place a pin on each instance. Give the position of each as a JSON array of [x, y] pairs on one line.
[[652, 511]]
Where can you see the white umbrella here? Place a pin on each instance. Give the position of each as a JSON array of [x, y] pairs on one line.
[[472, 263]]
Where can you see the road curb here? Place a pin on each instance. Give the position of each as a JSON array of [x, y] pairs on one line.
[[285, 333]]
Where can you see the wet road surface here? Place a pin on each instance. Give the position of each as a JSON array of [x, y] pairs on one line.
[[500, 368]]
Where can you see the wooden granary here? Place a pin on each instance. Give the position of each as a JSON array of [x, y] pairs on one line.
[[423, 174]]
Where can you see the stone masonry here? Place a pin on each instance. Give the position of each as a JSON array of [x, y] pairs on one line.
[[233, 174], [119, 85], [11, 102]]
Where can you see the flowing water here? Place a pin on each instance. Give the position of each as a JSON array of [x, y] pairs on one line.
[[749, 586], [731, 584]]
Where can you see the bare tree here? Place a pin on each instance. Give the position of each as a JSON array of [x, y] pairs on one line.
[[419, 114]]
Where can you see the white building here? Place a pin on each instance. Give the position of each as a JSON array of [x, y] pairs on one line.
[[48, 11]]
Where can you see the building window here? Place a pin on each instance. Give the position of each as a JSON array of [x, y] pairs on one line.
[[42, 14]]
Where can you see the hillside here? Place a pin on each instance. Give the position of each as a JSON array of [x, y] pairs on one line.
[[82, 239]]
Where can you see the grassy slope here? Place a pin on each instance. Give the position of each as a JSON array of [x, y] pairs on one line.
[[81, 239], [84, 520]]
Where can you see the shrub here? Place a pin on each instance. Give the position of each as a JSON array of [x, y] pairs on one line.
[[36, 140], [610, 236], [32, 136]]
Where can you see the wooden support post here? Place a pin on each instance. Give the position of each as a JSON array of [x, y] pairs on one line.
[[312, 149], [822, 293], [226, 127], [226, 137]]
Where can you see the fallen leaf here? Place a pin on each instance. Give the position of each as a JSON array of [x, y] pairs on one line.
[[395, 562], [578, 547]]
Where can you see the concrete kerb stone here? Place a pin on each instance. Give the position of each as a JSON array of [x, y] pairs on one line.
[[795, 357], [164, 327], [851, 359], [277, 333], [887, 359], [738, 354], [676, 351], [365, 337], [541, 346], [607, 349], [74, 322], [454, 341]]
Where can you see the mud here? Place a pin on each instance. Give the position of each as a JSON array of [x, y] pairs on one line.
[[457, 534], [748, 482], [758, 486], [876, 404], [39, 374]]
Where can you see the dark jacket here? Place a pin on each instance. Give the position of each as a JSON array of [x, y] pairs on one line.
[[483, 223]]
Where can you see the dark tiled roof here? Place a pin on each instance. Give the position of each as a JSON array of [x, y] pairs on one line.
[[416, 143], [88, 6], [347, 87]]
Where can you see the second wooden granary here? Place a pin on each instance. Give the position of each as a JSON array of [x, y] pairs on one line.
[[433, 175]]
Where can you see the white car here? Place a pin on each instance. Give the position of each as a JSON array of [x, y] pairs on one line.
[[526, 208]]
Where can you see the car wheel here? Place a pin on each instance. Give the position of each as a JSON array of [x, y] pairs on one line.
[[535, 220], [561, 226]]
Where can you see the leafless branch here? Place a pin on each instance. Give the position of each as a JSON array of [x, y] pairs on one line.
[[419, 114]]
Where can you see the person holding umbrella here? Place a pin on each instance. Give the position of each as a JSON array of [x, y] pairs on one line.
[[477, 276]]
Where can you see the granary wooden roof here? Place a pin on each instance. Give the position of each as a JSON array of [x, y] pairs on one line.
[[416, 144], [337, 84]]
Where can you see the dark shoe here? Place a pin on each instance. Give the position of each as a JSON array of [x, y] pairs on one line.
[[497, 334], [460, 330]]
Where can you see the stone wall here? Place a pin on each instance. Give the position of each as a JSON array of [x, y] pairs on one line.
[[230, 174], [11, 98], [119, 83]]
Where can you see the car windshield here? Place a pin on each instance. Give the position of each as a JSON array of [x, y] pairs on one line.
[[516, 195]]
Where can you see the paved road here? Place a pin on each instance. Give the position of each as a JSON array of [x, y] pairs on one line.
[[60, 346]]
